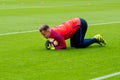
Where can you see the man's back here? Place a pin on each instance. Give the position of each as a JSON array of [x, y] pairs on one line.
[[68, 28]]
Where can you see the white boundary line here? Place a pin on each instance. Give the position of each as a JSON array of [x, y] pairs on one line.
[[18, 32], [107, 76], [3, 34], [104, 23]]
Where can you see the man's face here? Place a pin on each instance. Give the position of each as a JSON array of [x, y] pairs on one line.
[[46, 34]]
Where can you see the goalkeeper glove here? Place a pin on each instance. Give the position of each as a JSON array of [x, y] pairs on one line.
[[49, 45]]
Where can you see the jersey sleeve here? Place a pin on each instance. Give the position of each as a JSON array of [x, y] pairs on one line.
[[61, 42], [60, 39]]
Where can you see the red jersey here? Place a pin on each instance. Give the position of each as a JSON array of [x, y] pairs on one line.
[[68, 28], [65, 31]]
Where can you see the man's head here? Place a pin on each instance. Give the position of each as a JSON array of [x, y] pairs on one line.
[[45, 31]]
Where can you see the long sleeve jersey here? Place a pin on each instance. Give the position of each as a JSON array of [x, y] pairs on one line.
[[65, 31]]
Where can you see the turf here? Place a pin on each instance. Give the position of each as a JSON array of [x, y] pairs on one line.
[[24, 57]]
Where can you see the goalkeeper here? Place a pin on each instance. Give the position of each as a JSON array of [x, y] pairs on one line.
[[73, 29]]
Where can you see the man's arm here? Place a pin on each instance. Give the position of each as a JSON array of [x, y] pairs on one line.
[[60, 39], [61, 42]]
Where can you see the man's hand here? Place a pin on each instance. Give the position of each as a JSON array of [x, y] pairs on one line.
[[49, 45]]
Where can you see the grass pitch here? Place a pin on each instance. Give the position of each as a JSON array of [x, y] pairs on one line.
[[24, 57]]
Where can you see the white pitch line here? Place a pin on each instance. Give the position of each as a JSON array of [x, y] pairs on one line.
[[18, 32], [37, 30], [107, 76], [104, 23]]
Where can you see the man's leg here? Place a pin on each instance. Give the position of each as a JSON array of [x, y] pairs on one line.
[[75, 40], [78, 40]]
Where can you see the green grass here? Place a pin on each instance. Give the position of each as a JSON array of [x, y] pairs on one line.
[[24, 57]]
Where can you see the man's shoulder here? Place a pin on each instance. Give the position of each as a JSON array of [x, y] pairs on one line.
[[54, 33]]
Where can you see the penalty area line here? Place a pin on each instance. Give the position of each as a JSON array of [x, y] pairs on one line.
[[106, 76], [10, 33]]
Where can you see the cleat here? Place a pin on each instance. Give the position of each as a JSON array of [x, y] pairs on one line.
[[100, 39]]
